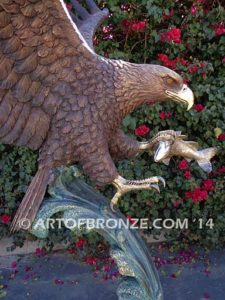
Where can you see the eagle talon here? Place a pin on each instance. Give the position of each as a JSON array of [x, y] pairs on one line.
[[162, 181], [156, 187], [123, 186]]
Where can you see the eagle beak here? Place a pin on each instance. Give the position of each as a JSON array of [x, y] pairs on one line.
[[185, 96]]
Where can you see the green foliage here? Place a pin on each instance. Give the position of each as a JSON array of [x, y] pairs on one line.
[[200, 46]]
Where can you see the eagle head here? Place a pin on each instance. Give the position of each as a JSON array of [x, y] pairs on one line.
[[170, 85]]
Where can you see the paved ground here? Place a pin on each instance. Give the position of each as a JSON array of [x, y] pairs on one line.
[[184, 276]]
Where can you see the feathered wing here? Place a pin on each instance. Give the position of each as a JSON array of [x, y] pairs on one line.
[[40, 50], [88, 21], [38, 39]]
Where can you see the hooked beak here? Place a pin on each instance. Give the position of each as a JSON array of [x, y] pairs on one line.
[[185, 96]]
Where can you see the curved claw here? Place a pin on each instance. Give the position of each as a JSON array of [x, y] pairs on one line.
[[156, 187], [112, 207], [162, 181]]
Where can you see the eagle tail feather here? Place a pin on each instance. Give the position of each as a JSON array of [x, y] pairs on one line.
[[32, 200]]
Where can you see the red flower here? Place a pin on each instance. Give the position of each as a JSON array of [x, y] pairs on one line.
[[221, 170], [219, 29], [142, 130], [173, 35], [80, 243], [40, 252], [139, 25], [126, 24], [208, 185], [183, 61], [194, 10], [59, 282], [183, 165], [223, 60], [14, 265], [106, 268], [90, 260], [187, 175], [204, 73], [5, 219], [193, 69], [162, 115], [221, 137], [177, 203], [206, 296], [169, 16], [69, 6], [197, 195], [166, 61], [131, 221], [198, 107], [169, 114]]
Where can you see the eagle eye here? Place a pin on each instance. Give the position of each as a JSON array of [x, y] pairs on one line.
[[170, 81]]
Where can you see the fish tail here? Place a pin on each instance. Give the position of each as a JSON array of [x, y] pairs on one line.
[[32, 200], [206, 156]]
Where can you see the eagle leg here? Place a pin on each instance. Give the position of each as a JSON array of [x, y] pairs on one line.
[[123, 186]]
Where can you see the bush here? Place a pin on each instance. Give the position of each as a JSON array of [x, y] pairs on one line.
[[189, 37]]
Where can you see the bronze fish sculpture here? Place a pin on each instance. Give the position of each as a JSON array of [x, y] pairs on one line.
[[189, 150]]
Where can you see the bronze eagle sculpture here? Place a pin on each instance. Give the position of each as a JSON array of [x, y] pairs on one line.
[[60, 97]]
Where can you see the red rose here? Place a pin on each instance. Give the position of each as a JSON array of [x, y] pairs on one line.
[[221, 137], [187, 175], [169, 114], [173, 35], [183, 165], [138, 26], [197, 195], [183, 61], [142, 130], [208, 185], [80, 243], [106, 268], [126, 24], [166, 61], [14, 265], [194, 10], [162, 115], [198, 107], [5, 219], [221, 170], [169, 16], [40, 252], [131, 221], [193, 69], [69, 6], [90, 260], [219, 29]]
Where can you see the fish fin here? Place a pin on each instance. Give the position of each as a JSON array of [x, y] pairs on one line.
[[205, 166], [207, 155], [32, 199], [166, 161]]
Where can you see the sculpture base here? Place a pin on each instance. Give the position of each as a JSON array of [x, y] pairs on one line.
[[82, 205]]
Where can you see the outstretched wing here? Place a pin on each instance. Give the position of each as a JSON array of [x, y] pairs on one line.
[[39, 46], [88, 21]]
